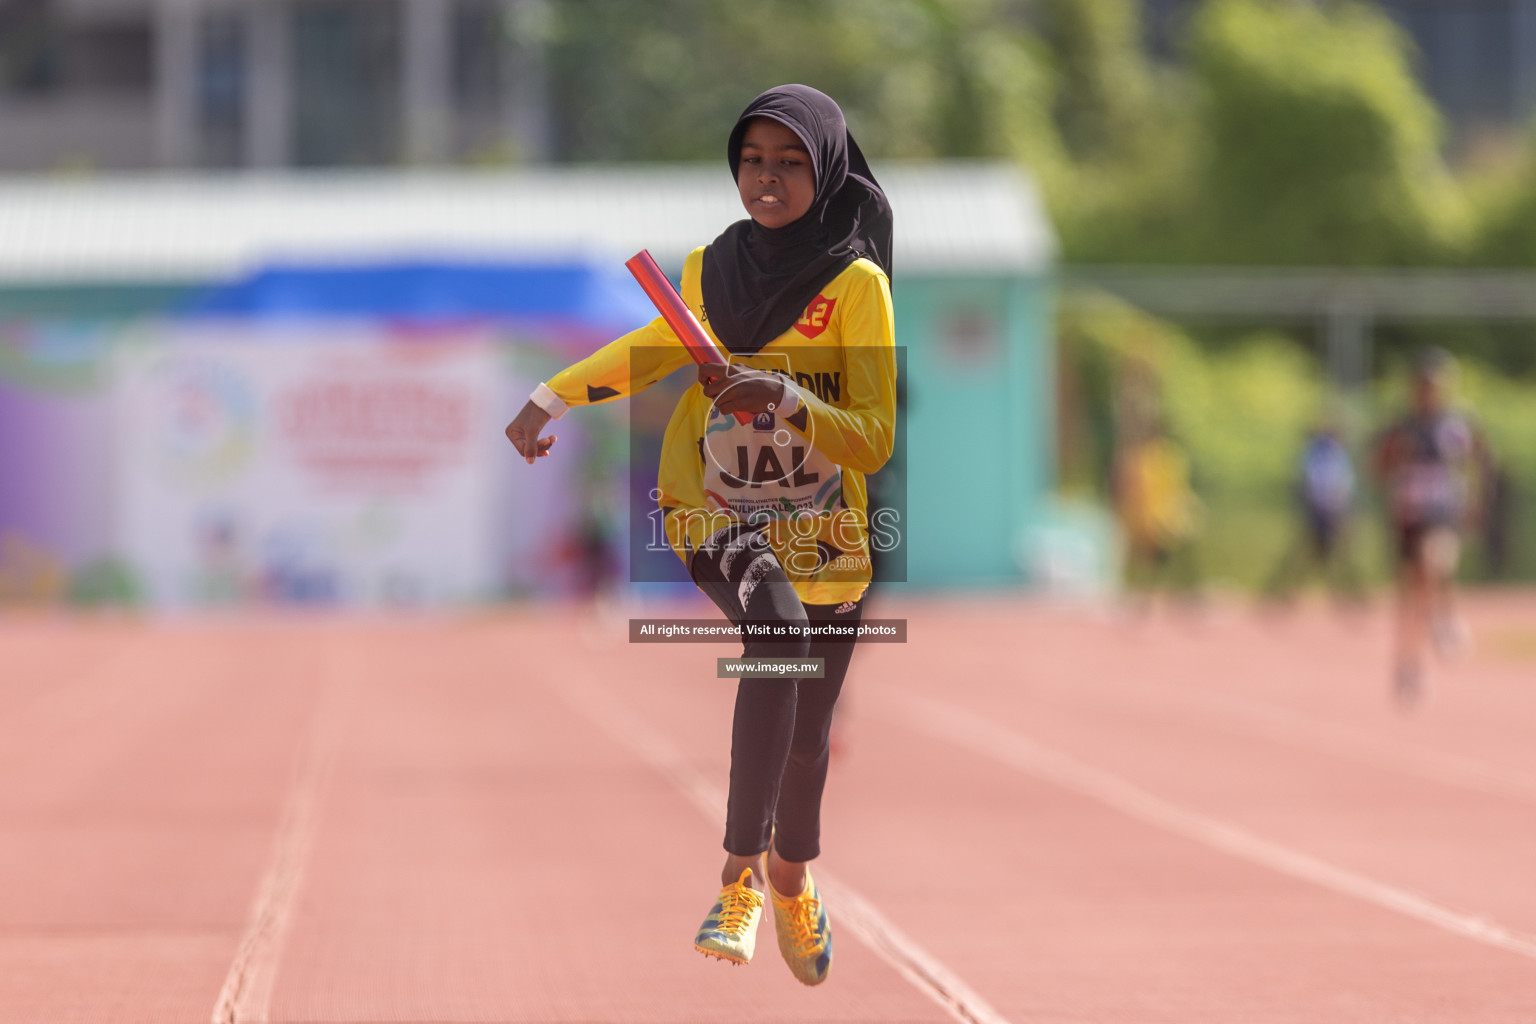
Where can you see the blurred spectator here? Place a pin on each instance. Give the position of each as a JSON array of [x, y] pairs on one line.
[[1158, 511], [29, 573], [594, 542], [1325, 489]]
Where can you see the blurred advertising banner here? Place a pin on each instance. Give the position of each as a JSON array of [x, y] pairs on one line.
[[352, 469], [56, 466], [206, 464]]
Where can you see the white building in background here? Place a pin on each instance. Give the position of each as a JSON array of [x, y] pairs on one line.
[[185, 84]]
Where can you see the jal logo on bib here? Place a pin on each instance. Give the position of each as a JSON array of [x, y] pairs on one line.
[[816, 316]]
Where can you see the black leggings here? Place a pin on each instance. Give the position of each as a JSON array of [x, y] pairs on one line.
[[779, 735]]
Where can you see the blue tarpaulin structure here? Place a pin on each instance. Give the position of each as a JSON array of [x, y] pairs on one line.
[[564, 296]]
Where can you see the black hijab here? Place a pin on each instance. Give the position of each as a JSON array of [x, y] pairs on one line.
[[757, 281]]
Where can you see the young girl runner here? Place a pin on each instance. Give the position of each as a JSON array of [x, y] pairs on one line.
[[769, 515]]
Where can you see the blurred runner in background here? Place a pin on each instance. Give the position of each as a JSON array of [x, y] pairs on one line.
[[1432, 464], [1325, 489], [1158, 511]]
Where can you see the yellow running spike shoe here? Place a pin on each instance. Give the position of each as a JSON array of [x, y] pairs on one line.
[[730, 930], [805, 934]]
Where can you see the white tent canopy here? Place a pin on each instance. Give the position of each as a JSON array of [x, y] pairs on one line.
[[950, 217]]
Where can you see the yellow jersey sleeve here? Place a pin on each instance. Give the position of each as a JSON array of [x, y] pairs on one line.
[[624, 366]]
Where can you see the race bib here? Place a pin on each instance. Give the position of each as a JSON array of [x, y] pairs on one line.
[[765, 470]]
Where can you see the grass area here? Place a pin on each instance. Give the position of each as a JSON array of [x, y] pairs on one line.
[[1241, 413], [1244, 539]]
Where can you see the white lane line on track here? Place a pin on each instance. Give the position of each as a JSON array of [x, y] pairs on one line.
[[970, 731], [854, 912], [246, 997], [1276, 721], [1439, 766]]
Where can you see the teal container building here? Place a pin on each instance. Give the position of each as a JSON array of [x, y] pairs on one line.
[[972, 288], [980, 422]]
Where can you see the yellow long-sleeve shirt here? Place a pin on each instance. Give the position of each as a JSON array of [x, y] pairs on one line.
[[799, 469]]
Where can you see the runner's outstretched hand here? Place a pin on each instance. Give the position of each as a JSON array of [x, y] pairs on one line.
[[523, 432]]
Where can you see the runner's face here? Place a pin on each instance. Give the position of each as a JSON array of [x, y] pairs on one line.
[[775, 177]]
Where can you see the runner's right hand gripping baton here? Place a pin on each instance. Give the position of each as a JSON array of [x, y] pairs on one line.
[[677, 314]]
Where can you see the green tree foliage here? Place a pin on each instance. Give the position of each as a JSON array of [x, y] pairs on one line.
[[1241, 411], [1296, 136], [1321, 147], [1506, 205], [1127, 129], [1241, 415], [664, 79], [1296, 133], [1104, 81]]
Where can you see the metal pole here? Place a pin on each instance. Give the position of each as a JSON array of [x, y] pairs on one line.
[[426, 91], [176, 53], [1348, 335], [527, 25], [268, 100]]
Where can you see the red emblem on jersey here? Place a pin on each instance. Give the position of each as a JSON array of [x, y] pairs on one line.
[[816, 316]]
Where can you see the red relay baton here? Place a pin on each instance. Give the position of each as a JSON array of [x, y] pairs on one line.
[[677, 314]]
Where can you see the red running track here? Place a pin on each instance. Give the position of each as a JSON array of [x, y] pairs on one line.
[[1036, 815]]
